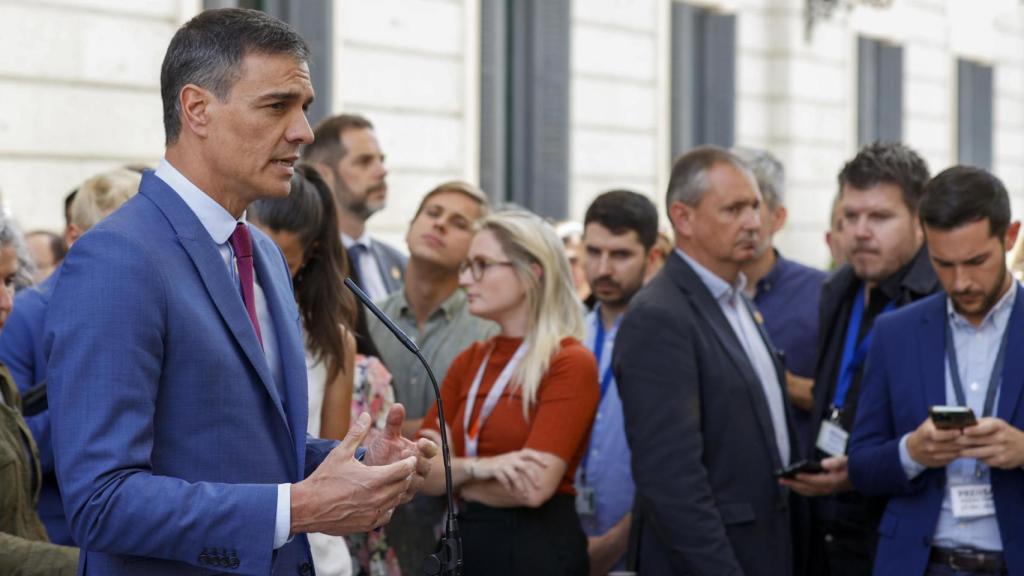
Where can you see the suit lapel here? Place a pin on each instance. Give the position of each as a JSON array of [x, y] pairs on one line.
[[214, 274], [290, 349], [932, 350], [707, 308], [1013, 369]]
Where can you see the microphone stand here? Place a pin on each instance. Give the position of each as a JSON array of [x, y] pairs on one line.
[[447, 561]]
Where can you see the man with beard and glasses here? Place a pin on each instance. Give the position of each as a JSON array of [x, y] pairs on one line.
[[879, 193], [348, 156], [703, 395], [955, 493], [619, 234]]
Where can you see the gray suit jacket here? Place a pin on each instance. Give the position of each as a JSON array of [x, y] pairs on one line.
[[391, 263], [700, 431]]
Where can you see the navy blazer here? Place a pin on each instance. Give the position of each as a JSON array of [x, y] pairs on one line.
[[904, 376], [170, 436]]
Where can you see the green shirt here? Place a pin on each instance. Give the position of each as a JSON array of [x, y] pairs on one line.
[[448, 331]]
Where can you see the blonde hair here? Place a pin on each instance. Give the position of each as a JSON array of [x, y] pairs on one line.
[[554, 311], [100, 195]]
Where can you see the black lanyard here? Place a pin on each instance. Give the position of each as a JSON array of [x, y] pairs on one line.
[[993, 381]]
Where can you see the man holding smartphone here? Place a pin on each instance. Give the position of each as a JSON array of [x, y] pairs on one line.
[[955, 495]]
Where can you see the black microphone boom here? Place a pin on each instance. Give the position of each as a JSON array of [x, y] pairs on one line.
[[447, 561]]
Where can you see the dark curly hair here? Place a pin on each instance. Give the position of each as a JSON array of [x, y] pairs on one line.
[[887, 163]]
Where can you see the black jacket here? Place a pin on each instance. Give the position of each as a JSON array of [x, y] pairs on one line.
[[701, 436]]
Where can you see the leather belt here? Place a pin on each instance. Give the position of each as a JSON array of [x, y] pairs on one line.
[[969, 560]]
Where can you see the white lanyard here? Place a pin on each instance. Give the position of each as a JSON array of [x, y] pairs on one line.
[[492, 398]]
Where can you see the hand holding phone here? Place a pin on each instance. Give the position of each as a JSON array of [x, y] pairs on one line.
[[801, 467]]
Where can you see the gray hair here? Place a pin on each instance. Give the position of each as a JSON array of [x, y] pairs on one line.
[[689, 179], [769, 171], [208, 52], [11, 237]]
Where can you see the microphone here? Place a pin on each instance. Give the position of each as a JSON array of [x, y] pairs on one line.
[[447, 561]]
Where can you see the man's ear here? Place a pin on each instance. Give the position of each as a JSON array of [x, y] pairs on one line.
[[1011, 234], [325, 173], [71, 234], [779, 218], [681, 216], [195, 109]]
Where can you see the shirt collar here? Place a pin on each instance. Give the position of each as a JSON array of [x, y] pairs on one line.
[[218, 222], [349, 241], [998, 316], [594, 316], [719, 288], [773, 275], [451, 306]]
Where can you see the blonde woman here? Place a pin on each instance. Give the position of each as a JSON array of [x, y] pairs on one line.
[[519, 405]]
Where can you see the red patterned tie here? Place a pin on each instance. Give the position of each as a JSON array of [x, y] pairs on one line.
[[241, 242]]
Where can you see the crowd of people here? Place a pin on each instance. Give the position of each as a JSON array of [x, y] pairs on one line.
[[188, 388]]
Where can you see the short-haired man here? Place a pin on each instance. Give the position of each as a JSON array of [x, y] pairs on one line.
[[432, 309], [880, 189], [784, 291], [703, 393], [620, 230], [21, 342], [955, 492], [177, 378], [348, 156]]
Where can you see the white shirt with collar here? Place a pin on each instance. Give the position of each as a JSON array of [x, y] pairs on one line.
[[370, 275], [220, 224]]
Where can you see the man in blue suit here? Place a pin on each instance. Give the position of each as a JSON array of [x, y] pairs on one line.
[[176, 366], [956, 495]]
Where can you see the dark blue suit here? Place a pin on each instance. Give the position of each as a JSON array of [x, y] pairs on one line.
[[169, 432], [21, 350], [904, 376]]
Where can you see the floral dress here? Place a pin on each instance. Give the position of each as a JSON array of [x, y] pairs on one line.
[[372, 392]]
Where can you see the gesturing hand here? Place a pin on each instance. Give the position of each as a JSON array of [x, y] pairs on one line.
[[994, 442], [387, 446], [932, 447], [343, 496]]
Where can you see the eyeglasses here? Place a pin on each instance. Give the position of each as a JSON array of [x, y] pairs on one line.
[[477, 267]]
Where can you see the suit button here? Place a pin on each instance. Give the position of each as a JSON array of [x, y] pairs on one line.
[[305, 569]]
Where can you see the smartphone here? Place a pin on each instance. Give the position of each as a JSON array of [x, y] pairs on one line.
[[801, 467], [952, 417]]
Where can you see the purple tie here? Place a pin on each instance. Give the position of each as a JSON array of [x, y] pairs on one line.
[[241, 242]]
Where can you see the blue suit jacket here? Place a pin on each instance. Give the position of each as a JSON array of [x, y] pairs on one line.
[[169, 432], [904, 376], [21, 350]]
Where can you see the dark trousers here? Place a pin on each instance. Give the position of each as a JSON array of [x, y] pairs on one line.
[[843, 535], [547, 541]]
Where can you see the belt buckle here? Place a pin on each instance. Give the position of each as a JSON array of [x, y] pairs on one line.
[[967, 559]]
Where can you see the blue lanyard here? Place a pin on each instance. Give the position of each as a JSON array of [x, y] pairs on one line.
[[606, 380], [854, 355]]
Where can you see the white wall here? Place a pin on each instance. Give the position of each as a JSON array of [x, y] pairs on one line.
[[79, 83]]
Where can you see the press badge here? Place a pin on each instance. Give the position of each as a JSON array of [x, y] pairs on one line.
[[972, 500], [832, 439], [586, 504]]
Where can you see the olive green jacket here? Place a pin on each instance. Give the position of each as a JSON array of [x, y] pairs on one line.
[[24, 548]]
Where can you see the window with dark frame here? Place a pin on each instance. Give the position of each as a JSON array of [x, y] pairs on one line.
[[524, 103], [879, 91], [703, 60], [975, 99]]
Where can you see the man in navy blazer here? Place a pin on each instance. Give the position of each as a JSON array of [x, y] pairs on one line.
[[176, 366], [956, 494]]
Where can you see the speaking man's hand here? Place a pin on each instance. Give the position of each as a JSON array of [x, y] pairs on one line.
[[389, 446], [344, 496]]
